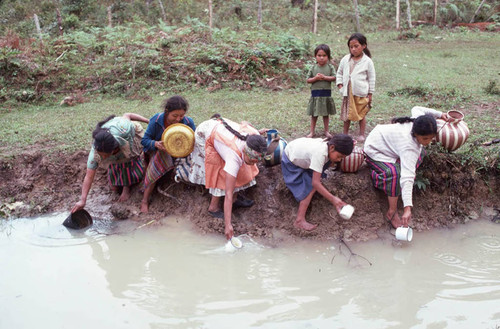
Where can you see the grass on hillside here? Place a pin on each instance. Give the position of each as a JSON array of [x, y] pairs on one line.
[[439, 69]]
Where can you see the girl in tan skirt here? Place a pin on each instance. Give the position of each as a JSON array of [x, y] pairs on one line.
[[356, 81]]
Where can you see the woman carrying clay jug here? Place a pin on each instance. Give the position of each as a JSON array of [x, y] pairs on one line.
[[394, 152]]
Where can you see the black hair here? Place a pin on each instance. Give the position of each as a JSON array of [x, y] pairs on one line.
[[422, 125], [362, 41], [325, 48], [103, 140], [343, 143], [255, 142], [175, 103]]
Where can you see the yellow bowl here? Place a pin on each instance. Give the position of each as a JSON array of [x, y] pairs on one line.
[[178, 139]]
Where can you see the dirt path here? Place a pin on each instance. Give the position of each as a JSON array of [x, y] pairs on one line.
[[33, 184]]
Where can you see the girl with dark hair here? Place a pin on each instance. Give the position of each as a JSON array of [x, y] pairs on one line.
[[394, 152], [224, 159], [117, 143], [320, 77], [174, 111], [356, 81], [303, 163]]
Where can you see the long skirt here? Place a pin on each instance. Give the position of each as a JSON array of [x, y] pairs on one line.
[[159, 165], [386, 175], [127, 173]]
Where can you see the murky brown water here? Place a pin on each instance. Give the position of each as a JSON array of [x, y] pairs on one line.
[[171, 277]]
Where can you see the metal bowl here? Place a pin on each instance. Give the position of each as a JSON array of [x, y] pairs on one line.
[[178, 139]]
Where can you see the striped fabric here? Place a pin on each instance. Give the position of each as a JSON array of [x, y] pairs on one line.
[[386, 176], [158, 166], [127, 173]]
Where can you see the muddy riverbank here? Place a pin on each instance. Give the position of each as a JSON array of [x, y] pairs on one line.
[[34, 183]]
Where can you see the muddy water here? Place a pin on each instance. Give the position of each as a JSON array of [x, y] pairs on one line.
[[123, 275]]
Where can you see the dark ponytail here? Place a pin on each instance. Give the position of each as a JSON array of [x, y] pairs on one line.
[[422, 125], [103, 140], [362, 41], [255, 142], [343, 143]]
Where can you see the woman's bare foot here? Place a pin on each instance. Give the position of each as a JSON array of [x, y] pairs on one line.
[[310, 135], [327, 134], [303, 225], [144, 207], [394, 219], [125, 194]]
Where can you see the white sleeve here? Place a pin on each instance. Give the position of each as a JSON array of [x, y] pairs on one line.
[[232, 161], [409, 160], [340, 72], [371, 77], [420, 110]]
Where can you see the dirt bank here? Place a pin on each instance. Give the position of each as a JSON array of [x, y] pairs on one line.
[[34, 183]]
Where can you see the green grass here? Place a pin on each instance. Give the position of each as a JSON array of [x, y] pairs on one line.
[[448, 69]]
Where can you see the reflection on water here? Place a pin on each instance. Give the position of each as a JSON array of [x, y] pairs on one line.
[[127, 275]]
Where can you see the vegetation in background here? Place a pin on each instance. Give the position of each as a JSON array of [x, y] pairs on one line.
[[140, 58]]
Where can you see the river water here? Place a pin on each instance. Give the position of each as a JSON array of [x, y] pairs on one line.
[[124, 275]]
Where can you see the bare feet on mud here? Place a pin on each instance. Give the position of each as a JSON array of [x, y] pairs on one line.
[[394, 219], [125, 194], [327, 134], [303, 225], [310, 135], [144, 207]]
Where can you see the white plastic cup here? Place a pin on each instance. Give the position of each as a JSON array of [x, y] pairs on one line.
[[404, 233], [346, 211], [236, 242]]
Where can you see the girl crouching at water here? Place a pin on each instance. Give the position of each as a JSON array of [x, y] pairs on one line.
[[117, 143], [303, 164]]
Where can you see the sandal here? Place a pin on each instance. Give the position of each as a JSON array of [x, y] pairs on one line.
[[216, 214], [392, 229], [242, 202]]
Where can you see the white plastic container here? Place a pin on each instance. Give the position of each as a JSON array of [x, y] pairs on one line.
[[404, 233], [346, 212]]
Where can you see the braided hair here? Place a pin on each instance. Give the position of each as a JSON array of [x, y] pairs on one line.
[[103, 140], [255, 142]]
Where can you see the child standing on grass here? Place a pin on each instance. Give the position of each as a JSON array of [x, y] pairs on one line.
[[356, 81], [320, 77]]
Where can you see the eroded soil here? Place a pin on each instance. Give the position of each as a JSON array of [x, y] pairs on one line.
[[34, 183]]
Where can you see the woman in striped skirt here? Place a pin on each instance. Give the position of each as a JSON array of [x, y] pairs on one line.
[[393, 153], [117, 143]]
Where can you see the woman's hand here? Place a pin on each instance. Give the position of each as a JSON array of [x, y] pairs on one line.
[[79, 205], [228, 231], [339, 204], [406, 218], [160, 146], [263, 131], [370, 100], [445, 117], [340, 86]]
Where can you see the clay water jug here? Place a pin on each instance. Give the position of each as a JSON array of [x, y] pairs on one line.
[[454, 133], [352, 162]]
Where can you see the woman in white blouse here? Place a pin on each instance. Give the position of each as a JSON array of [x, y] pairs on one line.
[[394, 151]]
